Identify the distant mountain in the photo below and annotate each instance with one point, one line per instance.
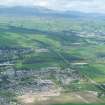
(40, 11)
(23, 11)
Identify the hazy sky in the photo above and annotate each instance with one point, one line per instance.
(79, 5)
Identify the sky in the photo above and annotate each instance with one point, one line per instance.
(97, 6)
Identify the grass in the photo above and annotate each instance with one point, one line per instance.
(58, 36)
(79, 104)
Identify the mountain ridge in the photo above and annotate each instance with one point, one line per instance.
(41, 11)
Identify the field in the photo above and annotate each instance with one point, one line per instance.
(34, 44)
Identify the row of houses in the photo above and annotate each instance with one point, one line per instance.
(67, 74)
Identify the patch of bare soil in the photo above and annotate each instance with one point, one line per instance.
(45, 98)
(31, 98)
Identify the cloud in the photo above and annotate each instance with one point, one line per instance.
(16, 2)
(77, 5)
(87, 6)
(43, 3)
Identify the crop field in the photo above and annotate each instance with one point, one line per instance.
(33, 44)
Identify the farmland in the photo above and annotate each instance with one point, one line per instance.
(59, 60)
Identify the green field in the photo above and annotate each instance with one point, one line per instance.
(65, 43)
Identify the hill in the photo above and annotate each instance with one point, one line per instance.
(41, 11)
